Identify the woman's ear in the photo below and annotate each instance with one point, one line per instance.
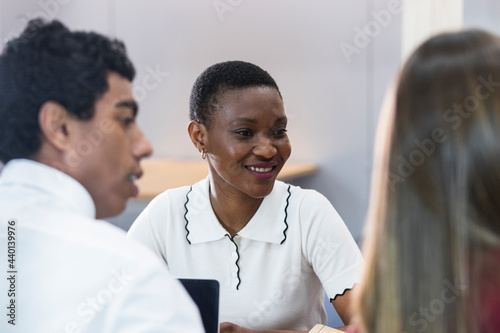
(198, 134)
(53, 120)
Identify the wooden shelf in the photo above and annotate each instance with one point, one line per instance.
(163, 174)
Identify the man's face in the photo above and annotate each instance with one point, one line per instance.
(105, 150)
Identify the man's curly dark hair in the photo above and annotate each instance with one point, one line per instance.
(219, 78)
(47, 62)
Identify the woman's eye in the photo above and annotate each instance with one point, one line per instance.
(280, 131)
(243, 132)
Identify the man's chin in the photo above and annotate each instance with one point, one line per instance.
(110, 210)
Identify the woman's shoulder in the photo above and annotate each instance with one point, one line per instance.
(307, 206)
(302, 195)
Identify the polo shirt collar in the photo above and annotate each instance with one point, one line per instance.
(269, 224)
(41, 177)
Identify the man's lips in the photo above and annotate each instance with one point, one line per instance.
(136, 175)
(132, 178)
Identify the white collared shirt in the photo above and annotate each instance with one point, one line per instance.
(72, 273)
(272, 273)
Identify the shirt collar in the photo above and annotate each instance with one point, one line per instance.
(43, 178)
(269, 224)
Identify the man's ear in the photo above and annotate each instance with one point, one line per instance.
(54, 123)
(198, 135)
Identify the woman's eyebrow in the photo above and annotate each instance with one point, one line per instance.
(243, 120)
(250, 120)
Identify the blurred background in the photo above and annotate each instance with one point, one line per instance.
(332, 60)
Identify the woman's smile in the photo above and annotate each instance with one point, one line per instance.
(247, 144)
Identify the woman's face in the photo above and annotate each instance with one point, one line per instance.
(247, 144)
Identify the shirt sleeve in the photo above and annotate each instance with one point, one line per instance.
(329, 246)
(150, 230)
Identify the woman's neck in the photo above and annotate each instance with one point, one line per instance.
(233, 211)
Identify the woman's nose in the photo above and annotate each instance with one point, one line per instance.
(265, 148)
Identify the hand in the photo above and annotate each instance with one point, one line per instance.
(233, 328)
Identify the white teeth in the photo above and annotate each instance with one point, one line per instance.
(132, 177)
(263, 170)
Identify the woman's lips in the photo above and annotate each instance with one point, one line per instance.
(263, 170)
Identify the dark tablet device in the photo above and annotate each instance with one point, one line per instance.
(205, 293)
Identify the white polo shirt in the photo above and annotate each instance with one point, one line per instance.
(272, 273)
(71, 273)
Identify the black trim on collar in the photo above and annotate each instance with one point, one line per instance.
(231, 238)
(186, 209)
(286, 215)
(238, 259)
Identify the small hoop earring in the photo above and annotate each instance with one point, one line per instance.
(203, 154)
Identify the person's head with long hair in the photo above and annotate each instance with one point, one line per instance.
(433, 235)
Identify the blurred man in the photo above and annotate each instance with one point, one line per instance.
(72, 150)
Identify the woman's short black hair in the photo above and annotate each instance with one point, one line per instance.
(219, 78)
(47, 62)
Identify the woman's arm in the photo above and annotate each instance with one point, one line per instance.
(233, 328)
(342, 305)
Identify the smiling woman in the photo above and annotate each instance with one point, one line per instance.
(274, 248)
(246, 147)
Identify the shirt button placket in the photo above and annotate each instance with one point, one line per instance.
(234, 261)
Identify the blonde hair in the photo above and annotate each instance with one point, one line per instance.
(434, 212)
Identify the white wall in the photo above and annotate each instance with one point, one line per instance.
(424, 18)
(331, 97)
(483, 14)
